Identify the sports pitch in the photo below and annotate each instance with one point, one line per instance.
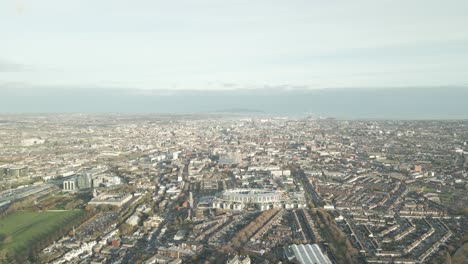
(20, 230)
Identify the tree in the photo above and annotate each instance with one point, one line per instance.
(125, 229)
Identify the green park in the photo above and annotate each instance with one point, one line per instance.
(23, 229)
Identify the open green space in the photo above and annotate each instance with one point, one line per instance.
(22, 229)
(428, 190)
(446, 198)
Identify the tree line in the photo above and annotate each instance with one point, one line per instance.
(244, 235)
(339, 245)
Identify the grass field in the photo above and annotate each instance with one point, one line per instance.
(20, 229)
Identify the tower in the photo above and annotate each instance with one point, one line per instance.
(191, 199)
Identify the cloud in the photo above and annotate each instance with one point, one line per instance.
(8, 66)
(20, 7)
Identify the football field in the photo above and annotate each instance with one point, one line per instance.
(21, 229)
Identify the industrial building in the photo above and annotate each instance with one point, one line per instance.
(111, 199)
(306, 254)
(13, 171)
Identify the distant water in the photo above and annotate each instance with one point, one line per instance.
(350, 103)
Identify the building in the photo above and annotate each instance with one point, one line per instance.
(3, 171)
(239, 260)
(264, 199)
(180, 234)
(237, 199)
(85, 181)
(133, 220)
(111, 199)
(306, 254)
(153, 222)
(70, 185)
(417, 168)
(31, 142)
(175, 252)
(9, 171)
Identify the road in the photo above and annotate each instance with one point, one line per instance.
(308, 188)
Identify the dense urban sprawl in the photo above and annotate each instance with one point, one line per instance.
(82, 188)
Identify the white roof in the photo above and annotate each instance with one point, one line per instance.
(310, 254)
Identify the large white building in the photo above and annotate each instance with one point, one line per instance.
(306, 254)
(239, 260)
(239, 199)
(259, 196)
(111, 199)
(133, 220)
(70, 185)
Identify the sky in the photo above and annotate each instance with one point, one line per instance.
(232, 44)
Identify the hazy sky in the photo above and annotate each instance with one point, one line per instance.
(213, 44)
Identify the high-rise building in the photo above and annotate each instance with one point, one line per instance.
(85, 181)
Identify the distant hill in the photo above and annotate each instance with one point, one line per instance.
(341, 103)
(239, 111)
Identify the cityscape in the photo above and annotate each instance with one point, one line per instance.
(105, 188)
(233, 132)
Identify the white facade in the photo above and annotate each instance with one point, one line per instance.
(69, 185)
(239, 199)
